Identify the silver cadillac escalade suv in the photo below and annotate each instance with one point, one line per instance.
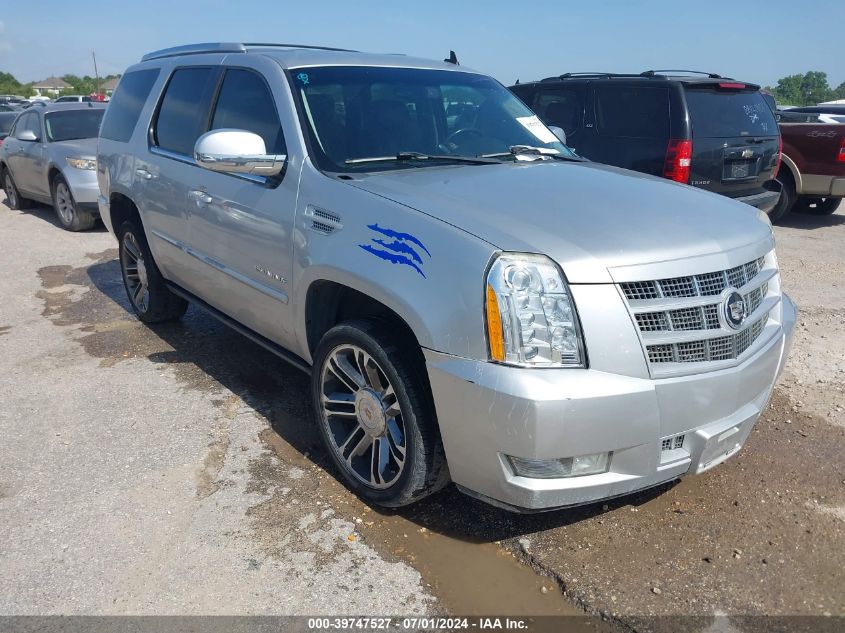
(474, 302)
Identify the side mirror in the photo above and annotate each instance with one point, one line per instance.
(236, 152)
(28, 135)
(558, 131)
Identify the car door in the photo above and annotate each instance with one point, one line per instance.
(33, 160)
(20, 152)
(161, 176)
(241, 226)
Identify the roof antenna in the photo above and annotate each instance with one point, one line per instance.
(452, 59)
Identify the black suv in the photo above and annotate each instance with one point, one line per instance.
(696, 128)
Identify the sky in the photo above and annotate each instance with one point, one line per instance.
(752, 40)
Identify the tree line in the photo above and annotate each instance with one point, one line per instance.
(807, 89)
(9, 85)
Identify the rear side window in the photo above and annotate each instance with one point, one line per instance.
(6, 120)
(632, 111)
(126, 104)
(183, 111)
(245, 103)
(721, 114)
(562, 107)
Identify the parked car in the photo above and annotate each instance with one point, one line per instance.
(4, 107)
(464, 292)
(700, 129)
(822, 109)
(73, 99)
(813, 170)
(50, 157)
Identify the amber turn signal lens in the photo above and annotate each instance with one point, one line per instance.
(495, 334)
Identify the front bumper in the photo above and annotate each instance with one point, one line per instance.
(83, 185)
(487, 411)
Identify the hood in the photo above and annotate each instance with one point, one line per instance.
(82, 147)
(586, 216)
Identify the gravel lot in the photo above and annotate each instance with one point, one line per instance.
(173, 470)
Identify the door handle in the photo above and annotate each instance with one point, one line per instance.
(143, 173)
(200, 197)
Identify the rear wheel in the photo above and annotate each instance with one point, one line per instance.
(375, 415)
(816, 206)
(13, 196)
(148, 293)
(787, 197)
(71, 217)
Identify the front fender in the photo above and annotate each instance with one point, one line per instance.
(428, 272)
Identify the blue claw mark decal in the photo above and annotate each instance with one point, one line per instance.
(400, 249)
(303, 77)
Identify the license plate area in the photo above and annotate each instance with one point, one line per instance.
(740, 169)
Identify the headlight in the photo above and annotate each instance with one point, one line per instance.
(82, 163)
(531, 317)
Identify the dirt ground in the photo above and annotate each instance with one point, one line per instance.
(151, 470)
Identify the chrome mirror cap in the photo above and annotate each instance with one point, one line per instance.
(236, 152)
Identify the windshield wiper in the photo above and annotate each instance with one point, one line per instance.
(419, 156)
(538, 153)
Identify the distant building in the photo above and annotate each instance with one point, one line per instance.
(51, 85)
(109, 86)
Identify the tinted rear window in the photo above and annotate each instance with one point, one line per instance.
(632, 111)
(126, 104)
(721, 114)
(183, 110)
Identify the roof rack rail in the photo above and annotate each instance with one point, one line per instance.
(589, 74)
(196, 49)
(308, 46)
(228, 47)
(652, 73)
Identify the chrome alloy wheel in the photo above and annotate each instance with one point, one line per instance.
(11, 192)
(363, 417)
(135, 272)
(64, 203)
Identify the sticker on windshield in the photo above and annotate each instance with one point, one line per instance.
(304, 79)
(537, 128)
(400, 249)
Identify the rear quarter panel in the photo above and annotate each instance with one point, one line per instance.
(813, 147)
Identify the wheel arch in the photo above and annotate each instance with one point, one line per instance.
(328, 303)
(787, 162)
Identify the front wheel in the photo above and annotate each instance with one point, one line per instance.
(375, 415)
(817, 206)
(150, 298)
(13, 196)
(71, 217)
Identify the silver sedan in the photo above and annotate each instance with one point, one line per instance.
(50, 157)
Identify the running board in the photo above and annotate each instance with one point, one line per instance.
(255, 337)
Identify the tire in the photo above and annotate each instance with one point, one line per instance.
(356, 425)
(71, 217)
(13, 197)
(150, 298)
(817, 206)
(787, 197)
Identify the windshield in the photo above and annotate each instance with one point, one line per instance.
(73, 124)
(356, 113)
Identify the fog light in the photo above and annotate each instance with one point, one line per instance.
(559, 468)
